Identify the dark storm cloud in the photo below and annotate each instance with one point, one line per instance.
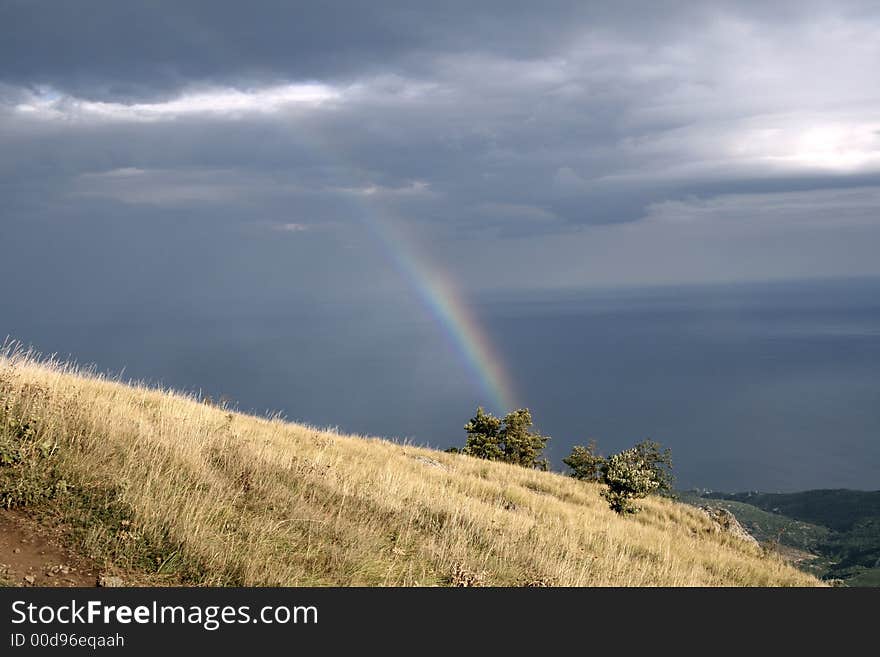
(506, 120)
(111, 49)
(108, 49)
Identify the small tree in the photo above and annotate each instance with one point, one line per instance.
(522, 446)
(585, 464)
(509, 440)
(484, 436)
(659, 460)
(628, 477)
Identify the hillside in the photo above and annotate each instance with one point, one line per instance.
(162, 488)
(840, 528)
(765, 526)
(838, 509)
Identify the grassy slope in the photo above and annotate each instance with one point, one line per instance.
(775, 531)
(764, 525)
(845, 537)
(157, 483)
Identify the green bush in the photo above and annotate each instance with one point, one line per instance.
(484, 436)
(509, 440)
(628, 476)
(585, 464)
(643, 469)
(659, 461)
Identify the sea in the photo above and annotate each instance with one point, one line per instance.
(753, 386)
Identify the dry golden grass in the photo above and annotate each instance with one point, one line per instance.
(158, 481)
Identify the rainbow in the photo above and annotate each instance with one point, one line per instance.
(448, 308)
(435, 290)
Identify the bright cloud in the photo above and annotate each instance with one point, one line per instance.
(224, 102)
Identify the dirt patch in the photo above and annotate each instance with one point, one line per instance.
(31, 556)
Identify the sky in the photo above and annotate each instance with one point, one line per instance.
(518, 145)
(182, 158)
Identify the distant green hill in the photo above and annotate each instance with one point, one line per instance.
(839, 509)
(840, 526)
(764, 525)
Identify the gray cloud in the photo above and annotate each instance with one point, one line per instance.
(102, 49)
(502, 122)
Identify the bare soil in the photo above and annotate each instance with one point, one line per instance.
(30, 555)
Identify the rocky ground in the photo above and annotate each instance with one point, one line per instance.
(31, 556)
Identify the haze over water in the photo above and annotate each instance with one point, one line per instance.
(754, 386)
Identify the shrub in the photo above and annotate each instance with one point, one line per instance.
(484, 437)
(659, 461)
(585, 464)
(520, 445)
(643, 469)
(509, 440)
(628, 477)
